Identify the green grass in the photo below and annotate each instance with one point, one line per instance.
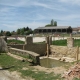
(15, 41)
(64, 42)
(41, 75)
(7, 61)
(77, 42)
(60, 42)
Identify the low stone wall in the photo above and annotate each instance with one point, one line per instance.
(30, 54)
(18, 46)
(37, 48)
(60, 51)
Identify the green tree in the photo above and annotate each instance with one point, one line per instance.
(22, 31)
(27, 28)
(55, 23)
(8, 33)
(18, 31)
(52, 22)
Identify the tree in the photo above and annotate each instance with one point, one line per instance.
(55, 23)
(52, 22)
(27, 28)
(22, 31)
(18, 31)
(1, 31)
(8, 33)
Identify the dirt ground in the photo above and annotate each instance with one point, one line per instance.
(6, 75)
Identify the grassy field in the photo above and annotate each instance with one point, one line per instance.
(17, 65)
(12, 41)
(7, 61)
(64, 42)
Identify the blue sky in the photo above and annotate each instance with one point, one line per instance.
(16, 14)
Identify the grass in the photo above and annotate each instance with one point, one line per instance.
(60, 42)
(41, 75)
(7, 61)
(64, 42)
(15, 41)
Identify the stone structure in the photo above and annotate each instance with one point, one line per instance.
(34, 56)
(30, 46)
(56, 51)
(70, 42)
(60, 51)
(4, 37)
(28, 40)
(50, 40)
(3, 45)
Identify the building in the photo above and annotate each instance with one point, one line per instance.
(53, 29)
(74, 30)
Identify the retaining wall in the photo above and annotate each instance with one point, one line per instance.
(37, 48)
(60, 51)
(30, 54)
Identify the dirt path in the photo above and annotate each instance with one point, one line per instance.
(6, 75)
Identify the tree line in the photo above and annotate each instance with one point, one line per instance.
(19, 31)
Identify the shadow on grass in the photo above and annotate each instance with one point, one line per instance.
(6, 68)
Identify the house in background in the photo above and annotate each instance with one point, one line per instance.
(76, 30)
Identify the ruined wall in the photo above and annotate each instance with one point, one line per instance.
(18, 46)
(38, 48)
(34, 56)
(3, 45)
(60, 51)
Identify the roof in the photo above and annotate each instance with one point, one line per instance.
(75, 29)
(54, 27)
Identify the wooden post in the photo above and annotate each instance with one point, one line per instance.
(47, 46)
(23, 47)
(77, 54)
(47, 50)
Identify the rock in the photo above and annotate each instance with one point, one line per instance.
(3, 45)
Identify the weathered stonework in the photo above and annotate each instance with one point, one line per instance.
(3, 45)
(70, 42)
(34, 56)
(30, 46)
(28, 40)
(60, 51)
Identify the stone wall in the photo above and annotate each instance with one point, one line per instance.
(34, 56)
(60, 51)
(3, 45)
(70, 42)
(18, 46)
(38, 48)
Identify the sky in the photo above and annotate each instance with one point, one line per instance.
(16, 14)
